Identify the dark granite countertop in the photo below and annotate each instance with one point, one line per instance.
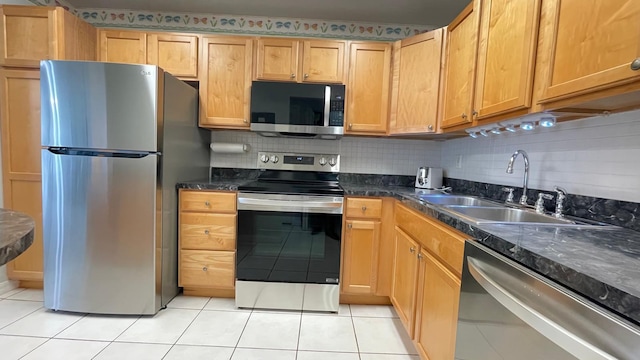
(600, 264)
(228, 184)
(16, 234)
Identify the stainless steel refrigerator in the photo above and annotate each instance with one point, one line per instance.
(115, 140)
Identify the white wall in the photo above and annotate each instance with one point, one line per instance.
(594, 157)
(358, 154)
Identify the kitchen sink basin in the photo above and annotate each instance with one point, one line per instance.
(507, 215)
(437, 199)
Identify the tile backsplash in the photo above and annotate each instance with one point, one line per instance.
(359, 155)
(597, 157)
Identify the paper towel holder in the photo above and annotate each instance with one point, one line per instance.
(229, 148)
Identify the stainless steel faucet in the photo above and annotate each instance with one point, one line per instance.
(562, 194)
(525, 185)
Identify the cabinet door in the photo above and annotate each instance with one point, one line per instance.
(360, 259)
(368, 90)
(437, 310)
(20, 123)
(212, 269)
(123, 46)
(416, 84)
(176, 54)
(506, 56)
(28, 35)
(225, 86)
(588, 45)
(323, 61)
(277, 59)
(405, 276)
(459, 72)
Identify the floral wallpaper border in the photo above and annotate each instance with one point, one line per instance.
(232, 24)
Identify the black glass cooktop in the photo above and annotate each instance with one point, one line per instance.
(295, 182)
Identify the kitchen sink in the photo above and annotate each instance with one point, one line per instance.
(437, 199)
(507, 215)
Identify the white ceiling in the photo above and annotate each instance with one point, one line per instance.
(415, 12)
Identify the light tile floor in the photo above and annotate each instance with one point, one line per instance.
(199, 328)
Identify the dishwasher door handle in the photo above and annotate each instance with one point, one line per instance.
(572, 343)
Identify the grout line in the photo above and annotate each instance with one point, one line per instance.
(241, 333)
(355, 334)
(34, 349)
(186, 328)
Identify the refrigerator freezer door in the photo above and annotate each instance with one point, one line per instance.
(95, 105)
(101, 233)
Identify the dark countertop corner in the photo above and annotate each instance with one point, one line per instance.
(16, 234)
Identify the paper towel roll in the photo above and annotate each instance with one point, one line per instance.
(229, 148)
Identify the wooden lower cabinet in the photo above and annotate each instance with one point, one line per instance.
(360, 268)
(207, 242)
(212, 269)
(436, 309)
(405, 276)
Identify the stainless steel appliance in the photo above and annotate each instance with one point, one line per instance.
(297, 110)
(509, 312)
(429, 178)
(115, 140)
(289, 234)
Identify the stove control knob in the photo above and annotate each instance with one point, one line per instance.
(322, 161)
(264, 158)
(275, 159)
(333, 161)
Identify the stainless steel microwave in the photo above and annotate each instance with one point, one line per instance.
(297, 110)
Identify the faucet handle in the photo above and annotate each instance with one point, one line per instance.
(510, 191)
(562, 194)
(540, 202)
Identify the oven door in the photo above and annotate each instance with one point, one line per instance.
(288, 246)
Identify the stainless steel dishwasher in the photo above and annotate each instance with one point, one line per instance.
(509, 312)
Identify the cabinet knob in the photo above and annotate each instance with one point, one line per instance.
(306, 76)
(204, 268)
(430, 127)
(244, 121)
(412, 250)
(419, 257)
(350, 126)
(207, 203)
(206, 232)
(364, 208)
(349, 225)
(464, 116)
(474, 113)
(293, 76)
(635, 64)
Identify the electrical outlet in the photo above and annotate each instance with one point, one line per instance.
(459, 162)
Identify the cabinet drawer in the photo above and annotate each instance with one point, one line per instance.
(213, 269)
(369, 208)
(203, 231)
(445, 243)
(207, 201)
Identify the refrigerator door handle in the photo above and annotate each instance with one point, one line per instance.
(99, 153)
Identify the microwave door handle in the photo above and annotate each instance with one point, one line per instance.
(572, 343)
(327, 104)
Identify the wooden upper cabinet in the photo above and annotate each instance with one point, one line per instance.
(323, 61)
(506, 56)
(368, 88)
(459, 72)
(416, 83)
(282, 59)
(586, 46)
(123, 46)
(225, 86)
(277, 59)
(176, 54)
(28, 35)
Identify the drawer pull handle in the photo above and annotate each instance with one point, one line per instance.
(419, 257)
(206, 232)
(635, 64)
(204, 268)
(349, 226)
(207, 203)
(412, 250)
(364, 208)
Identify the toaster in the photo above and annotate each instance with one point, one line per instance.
(429, 178)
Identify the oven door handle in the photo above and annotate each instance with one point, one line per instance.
(302, 206)
(572, 343)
